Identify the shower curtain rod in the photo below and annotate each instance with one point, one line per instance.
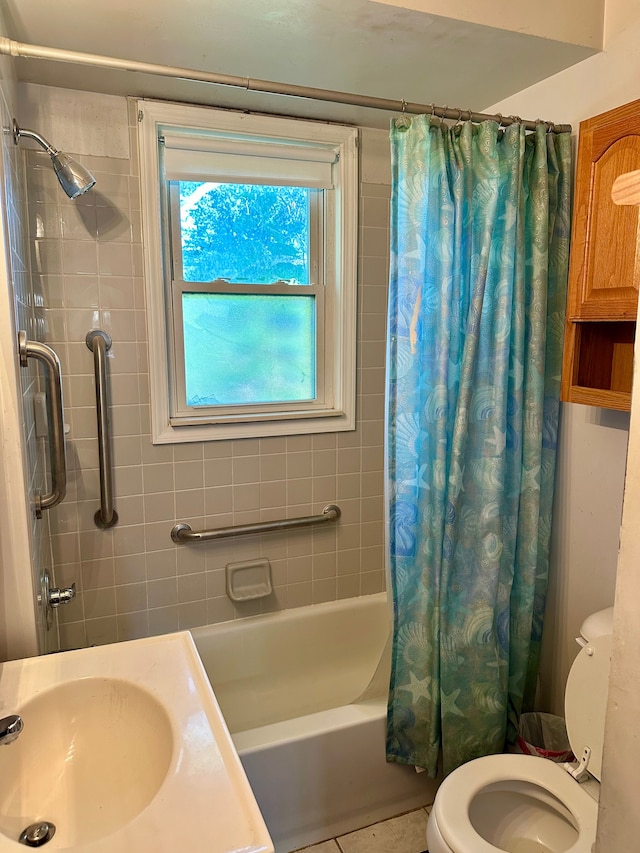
(9, 47)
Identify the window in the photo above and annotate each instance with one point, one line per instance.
(250, 231)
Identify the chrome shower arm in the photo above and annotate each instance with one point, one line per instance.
(74, 178)
(22, 132)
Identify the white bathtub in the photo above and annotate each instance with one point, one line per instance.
(304, 694)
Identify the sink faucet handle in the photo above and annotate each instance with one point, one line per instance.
(10, 728)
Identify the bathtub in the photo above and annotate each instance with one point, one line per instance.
(304, 695)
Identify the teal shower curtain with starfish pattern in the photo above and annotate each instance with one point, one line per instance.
(480, 225)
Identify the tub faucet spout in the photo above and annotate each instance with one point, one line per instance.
(10, 728)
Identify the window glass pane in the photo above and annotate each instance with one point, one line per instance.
(246, 348)
(244, 232)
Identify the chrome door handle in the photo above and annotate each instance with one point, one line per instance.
(55, 416)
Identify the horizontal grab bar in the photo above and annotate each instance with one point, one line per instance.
(183, 533)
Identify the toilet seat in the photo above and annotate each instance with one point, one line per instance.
(451, 808)
(585, 700)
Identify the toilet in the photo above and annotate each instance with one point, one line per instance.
(526, 804)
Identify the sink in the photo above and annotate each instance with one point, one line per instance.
(80, 741)
(124, 748)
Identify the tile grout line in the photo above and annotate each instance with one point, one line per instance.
(339, 847)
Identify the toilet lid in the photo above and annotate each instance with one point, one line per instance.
(585, 701)
(552, 784)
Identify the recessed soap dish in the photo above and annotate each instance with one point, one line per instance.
(248, 580)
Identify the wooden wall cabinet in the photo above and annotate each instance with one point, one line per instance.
(604, 269)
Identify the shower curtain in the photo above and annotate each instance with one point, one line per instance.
(479, 255)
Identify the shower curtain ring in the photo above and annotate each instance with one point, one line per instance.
(404, 122)
(459, 119)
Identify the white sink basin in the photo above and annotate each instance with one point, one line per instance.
(124, 748)
(81, 741)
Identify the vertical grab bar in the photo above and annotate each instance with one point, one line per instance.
(55, 417)
(99, 343)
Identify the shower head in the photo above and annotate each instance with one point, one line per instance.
(74, 178)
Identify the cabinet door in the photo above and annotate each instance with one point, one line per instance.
(605, 261)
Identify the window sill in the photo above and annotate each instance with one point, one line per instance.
(169, 433)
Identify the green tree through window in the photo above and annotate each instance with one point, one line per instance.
(244, 232)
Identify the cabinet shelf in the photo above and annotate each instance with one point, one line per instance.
(602, 368)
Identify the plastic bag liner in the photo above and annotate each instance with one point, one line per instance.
(544, 735)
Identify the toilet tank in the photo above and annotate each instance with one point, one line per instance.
(599, 624)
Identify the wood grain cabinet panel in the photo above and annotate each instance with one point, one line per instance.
(604, 269)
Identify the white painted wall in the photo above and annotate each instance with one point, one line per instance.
(599, 83)
(584, 548)
(573, 21)
(619, 817)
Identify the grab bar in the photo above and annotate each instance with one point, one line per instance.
(183, 533)
(55, 417)
(99, 343)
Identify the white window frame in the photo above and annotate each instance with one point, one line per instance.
(335, 409)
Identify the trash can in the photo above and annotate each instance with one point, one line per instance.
(544, 735)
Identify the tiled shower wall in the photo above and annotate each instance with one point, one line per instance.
(132, 580)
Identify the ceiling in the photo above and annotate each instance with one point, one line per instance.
(349, 45)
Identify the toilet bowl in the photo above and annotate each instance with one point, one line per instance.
(525, 804)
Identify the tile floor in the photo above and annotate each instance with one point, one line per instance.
(403, 834)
